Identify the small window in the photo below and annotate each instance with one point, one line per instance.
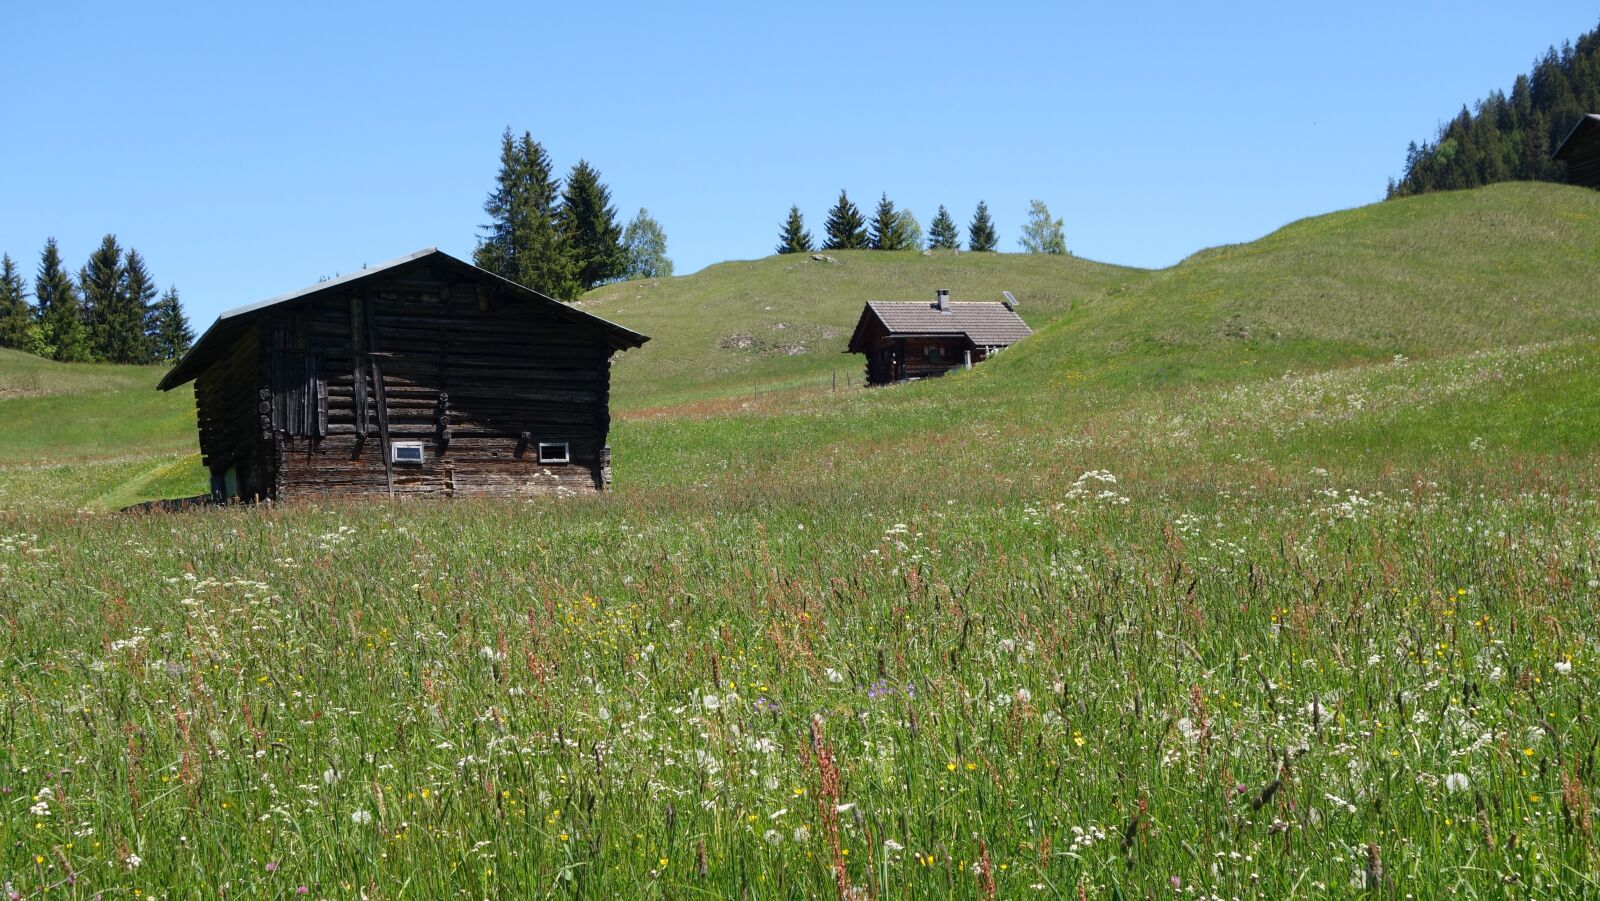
(406, 452)
(933, 354)
(554, 452)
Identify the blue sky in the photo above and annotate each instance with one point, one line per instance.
(248, 151)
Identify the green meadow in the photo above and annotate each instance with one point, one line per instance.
(1272, 574)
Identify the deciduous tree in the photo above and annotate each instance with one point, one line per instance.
(644, 244)
(1042, 234)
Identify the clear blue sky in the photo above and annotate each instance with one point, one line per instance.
(246, 152)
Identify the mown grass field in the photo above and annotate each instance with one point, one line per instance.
(1147, 606)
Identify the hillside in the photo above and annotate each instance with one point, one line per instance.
(783, 321)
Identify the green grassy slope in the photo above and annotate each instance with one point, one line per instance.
(784, 321)
(79, 433)
(1441, 273)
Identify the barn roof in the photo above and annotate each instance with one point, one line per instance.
(234, 323)
(987, 324)
(1580, 150)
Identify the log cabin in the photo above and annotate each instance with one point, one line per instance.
(421, 377)
(913, 340)
(1580, 150)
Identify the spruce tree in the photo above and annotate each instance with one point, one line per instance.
(644, 245)
(589, 230)
(981, 237)
(134, 313)
(886, 231)
(521, 241)
(16, 316)
(60, 314)
(794, 238)
(942, 232)
(100, 282)
(846, 230)
(1042, 234)
(170, 335)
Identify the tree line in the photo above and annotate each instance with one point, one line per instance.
(898, 229)
(562, 238)
(1510, 138)
(111, 313)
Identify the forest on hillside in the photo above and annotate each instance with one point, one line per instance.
(1510, 138)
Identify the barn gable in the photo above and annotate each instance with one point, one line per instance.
(1580, 150)
(421, 376)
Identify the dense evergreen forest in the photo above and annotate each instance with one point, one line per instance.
(1510, 138)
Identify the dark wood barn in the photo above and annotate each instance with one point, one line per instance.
(911, 340)
(1581, 152)
(424, 376)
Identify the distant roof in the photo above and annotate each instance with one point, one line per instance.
(234, 323)
(988, 324)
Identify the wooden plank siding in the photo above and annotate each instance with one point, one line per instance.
(310, 399)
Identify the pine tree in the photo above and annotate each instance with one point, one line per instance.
(589, 230)
(522, 242)
(846, 230)
(942, 232)
(644, 245)
(100, 282)
(170, 335)
(16, 316)
(981, 237)
(1042, 234)
(130, 330)
(794, 238)
(60, 315)
(887, 232)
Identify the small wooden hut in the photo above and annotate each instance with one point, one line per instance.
(423, 376)
(1581, 152)
(911, 340)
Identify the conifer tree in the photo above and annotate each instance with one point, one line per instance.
(170, 335)
(886, 230)
(644, 245)
(846, 230)
(521, 241)
(100, 282)
(942, 232)
(981, 237)
(794, 238)
(589, 230)
(16, 316)
(60, 315)
(1042, 234)
(129, 328)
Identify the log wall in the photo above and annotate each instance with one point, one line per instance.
(229, 401)
(479, 378)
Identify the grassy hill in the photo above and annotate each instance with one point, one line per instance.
(783, 321)
(1273, 573)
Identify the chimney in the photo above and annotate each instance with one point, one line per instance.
(943, 294)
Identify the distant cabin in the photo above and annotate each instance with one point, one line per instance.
(911, 340)
(1581, 152)
(423, 376)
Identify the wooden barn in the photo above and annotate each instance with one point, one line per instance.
(911, 340)
(424, 376)
(1581, 152)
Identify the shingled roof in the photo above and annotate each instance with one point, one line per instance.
(987, 324)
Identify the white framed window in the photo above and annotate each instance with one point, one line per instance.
(554, 452)
(406, 452)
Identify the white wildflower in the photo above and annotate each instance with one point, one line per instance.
(1564, 667)
(801, 834)
(133, 861)
(711, 702)
(892, 845)
(835, 676)
(1457, 782)
(361, 817)
(773, 837)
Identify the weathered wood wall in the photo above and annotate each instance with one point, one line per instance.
(480, 378)
(229, 400)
